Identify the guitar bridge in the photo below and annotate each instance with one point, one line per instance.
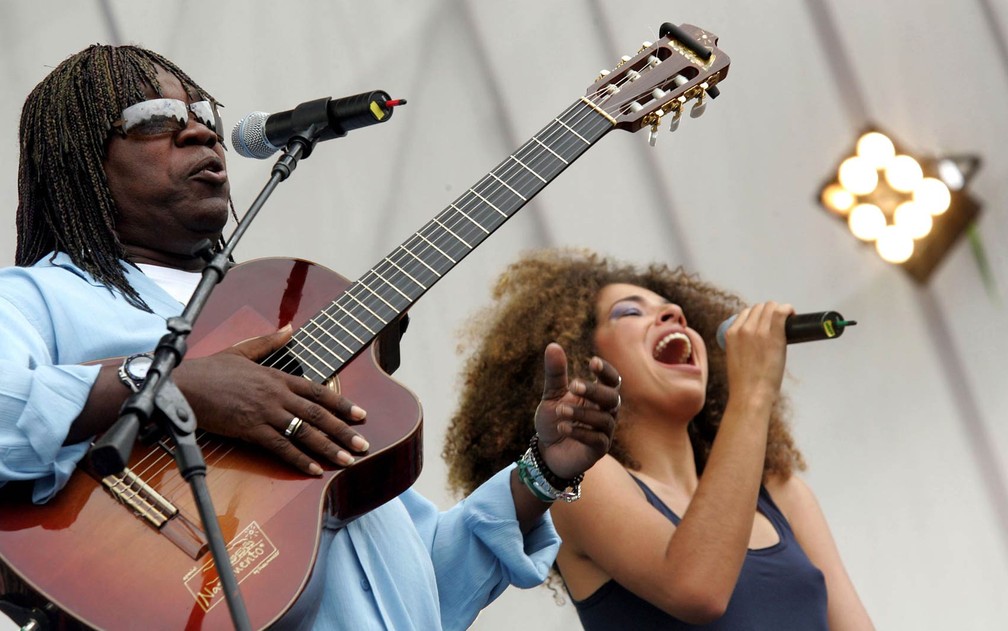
(130, 490)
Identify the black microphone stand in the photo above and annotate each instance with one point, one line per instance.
(159, 404)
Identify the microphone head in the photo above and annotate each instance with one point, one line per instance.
(723, 329)
(249, 137)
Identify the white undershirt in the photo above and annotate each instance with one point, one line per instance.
(179, 284)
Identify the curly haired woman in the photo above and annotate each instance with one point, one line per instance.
(695, 519)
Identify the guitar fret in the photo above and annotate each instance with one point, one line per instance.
(420, 259)
(305, 363)
(433, 245)
(324, 331)
(513, 157)
(304, 331)
(452, 233)
(487, 202)
(464, 228)
(363, 304)
(355, 319)
(337, 322)
(541, 161)
(406, 274)
(494, 176)
(546, 147)
(464, 214)
(385, 280)
(503, 198)
(571, 129)
(377, 295)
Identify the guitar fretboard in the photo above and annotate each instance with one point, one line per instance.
(340, 331)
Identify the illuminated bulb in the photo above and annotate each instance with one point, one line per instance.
(858, 176)
(913, 219)
(951, 174)
(837, 198)
(876, 148)
(893, 245)
(933, 195)
(866, 221)
(903, 173)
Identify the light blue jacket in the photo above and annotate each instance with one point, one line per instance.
(403, 566)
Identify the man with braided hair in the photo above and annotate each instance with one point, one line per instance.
(122, 174)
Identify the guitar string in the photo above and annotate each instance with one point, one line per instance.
(543, 138)
(388, 259)
(490, 192)
(405, 271)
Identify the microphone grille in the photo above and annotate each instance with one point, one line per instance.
(722, 330)
(249, 137)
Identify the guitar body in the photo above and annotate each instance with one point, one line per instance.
(95, 559)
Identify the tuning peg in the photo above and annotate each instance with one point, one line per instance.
(653, 134)
(700, 106)
(674, 124)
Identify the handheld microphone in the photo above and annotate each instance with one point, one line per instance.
(260, 135)
(802, 327)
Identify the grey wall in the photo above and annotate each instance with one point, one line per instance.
(901, 420)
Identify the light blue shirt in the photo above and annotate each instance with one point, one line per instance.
(403, 566)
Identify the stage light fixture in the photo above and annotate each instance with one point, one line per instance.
(912, 209)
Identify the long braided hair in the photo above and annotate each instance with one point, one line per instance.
(64, 201)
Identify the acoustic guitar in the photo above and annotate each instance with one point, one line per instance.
(130, 549)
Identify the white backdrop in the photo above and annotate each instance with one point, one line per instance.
(901, 420)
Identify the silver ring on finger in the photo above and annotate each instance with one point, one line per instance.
(293, 428)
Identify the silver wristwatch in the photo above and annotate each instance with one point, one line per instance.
(133, 370)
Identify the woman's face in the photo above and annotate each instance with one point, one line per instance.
(663, 362)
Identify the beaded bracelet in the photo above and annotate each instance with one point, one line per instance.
(554, 480)
(543, 483)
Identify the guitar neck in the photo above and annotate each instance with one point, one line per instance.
(341, 330)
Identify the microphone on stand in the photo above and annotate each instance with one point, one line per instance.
(802, 327)
(260, 135)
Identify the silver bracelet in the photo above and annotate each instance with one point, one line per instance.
(532, 476)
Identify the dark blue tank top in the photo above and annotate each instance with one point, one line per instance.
(778, 589)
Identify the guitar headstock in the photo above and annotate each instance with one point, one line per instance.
(684, 66)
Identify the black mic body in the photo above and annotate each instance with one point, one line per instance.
(802, 327)
(260, 135)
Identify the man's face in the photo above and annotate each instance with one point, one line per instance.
(171, 190)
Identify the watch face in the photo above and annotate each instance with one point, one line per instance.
(138, 366)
